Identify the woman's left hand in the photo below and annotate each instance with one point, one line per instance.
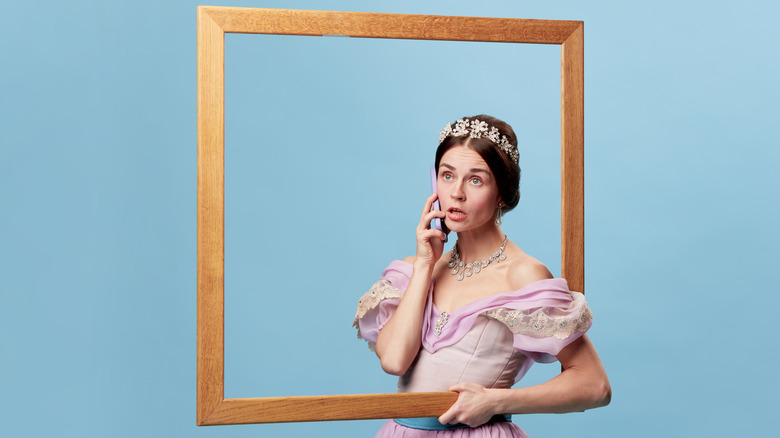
(475, 405)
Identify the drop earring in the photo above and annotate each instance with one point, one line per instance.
(498, 215)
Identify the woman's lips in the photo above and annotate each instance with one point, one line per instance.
(456, 214)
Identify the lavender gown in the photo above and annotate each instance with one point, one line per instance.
(492, 341)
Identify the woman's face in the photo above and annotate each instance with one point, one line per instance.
(467, 190)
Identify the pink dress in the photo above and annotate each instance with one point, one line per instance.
(492, 341)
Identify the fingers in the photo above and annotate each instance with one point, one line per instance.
(458, 387)
(430, 240)
(429, 234)
(425, 221)
(428, 205)
(449, 416)
(465, 410)
(429, 214)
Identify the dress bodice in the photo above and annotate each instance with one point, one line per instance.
(484, 355)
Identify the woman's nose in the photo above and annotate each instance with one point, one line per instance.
(457, 192)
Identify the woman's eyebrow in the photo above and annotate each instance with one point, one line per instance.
(472, 170)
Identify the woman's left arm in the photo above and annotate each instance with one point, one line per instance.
(582, 385)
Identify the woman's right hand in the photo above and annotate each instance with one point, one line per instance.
(398, 342)
(430, 241)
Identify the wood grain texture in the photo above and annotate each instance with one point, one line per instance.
(331, 407)
(573, 160)
(395, 26)
(213, 23)
(211, 184)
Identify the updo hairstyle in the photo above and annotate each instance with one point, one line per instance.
(505, 170)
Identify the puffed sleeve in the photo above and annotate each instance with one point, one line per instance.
(377, 305)
(542, 332)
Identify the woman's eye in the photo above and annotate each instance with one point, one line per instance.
(447, 177)
(476, 181)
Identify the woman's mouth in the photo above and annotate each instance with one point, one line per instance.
(456, 214)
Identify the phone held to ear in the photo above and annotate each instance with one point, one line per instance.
(438, 222)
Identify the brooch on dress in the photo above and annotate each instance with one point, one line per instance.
(441, 322)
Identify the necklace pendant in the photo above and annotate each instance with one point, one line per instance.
(462, 269)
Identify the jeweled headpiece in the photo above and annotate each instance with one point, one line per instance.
(479, 129)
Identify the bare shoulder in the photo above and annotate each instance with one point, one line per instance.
(410, 259)
(527, 270)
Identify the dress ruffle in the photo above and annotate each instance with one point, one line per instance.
(377, 305)
(541, 333)
(391, 429)
(544, 316)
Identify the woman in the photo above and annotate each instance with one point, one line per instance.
(475, 319)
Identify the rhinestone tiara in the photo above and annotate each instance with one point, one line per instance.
(479, 129)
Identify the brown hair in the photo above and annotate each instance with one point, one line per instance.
(505, 169)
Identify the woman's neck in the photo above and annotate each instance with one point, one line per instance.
(479, 244)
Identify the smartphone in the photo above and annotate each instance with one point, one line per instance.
(438, 222)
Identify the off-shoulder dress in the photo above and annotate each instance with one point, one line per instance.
(492, 341)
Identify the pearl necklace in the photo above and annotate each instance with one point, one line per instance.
(460, 268)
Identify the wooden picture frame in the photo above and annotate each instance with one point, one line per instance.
(213, 22)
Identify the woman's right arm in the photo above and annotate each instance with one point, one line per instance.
(399, 340)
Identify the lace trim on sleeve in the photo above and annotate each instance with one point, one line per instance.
(381, 290)
(544, 322)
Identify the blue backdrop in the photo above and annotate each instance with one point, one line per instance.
(328, 143)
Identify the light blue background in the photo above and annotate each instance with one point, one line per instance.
(98, 190)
